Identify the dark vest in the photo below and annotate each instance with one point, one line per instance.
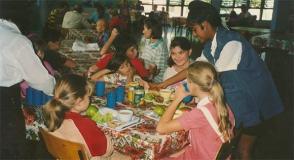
(249, 90)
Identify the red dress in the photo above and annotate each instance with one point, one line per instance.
(93, 136)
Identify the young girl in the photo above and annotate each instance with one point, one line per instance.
(120, 69)
(102, 34)
(153, 49)
(204, 139)
(180, 50)
(62, 116)
(123, 44)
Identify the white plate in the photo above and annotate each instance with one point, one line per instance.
(151, 115)
(120, 126)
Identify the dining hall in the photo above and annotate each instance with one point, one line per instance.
(146, 79)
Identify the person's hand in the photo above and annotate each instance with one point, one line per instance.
(114, 33)
(91, 70)
(181, 93)
(144, 84)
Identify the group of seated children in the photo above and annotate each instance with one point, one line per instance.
(121, 62)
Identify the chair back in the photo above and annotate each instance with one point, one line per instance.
(228, 147)
(63, 149)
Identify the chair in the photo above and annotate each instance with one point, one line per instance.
(228, 147)
(63, 149)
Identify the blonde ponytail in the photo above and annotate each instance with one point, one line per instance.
(217, 96)
(205, 76)
(66, 92)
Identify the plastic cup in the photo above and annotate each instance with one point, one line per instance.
(37, 97)
(120, 94)
(111, 99)
(187, 99)
(100, 88)
(29, 96)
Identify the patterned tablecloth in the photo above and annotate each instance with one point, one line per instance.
(84, 59)
(140, 141)
(143, 142)
(86, 35)
(273, 40)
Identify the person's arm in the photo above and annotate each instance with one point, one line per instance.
(32, 69)
(177, 78)
(99, 74)
(166, 123)
(108, 43)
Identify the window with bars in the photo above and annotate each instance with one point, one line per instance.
(263, 9)
(176, 8)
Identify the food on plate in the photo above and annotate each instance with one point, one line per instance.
(159, 110)
(158, 99)
(149, 96)
(91, 111)
(100, 118)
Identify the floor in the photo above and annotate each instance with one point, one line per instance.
(277, 142)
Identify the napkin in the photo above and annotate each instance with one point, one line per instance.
(81, 46)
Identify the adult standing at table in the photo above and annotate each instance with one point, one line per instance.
(75, 19)
(248, 85)
(17, 62)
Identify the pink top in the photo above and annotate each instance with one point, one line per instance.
(204, 142)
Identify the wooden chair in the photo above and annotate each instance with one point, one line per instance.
(227, 148)
(63, 149)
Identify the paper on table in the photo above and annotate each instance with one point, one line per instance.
(81, 46)
(135, 121)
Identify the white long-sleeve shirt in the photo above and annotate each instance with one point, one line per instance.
(19, 62)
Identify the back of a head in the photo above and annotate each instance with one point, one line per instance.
(203, 74)
(38, 43)
(78, 8)
(200, 11)
(123, 42)
(50, 35)
(66, 92)
(117, 60)
(155, 26)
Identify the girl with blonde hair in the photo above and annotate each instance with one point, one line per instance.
(63, 117)
(210, 123)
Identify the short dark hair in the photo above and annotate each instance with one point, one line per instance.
(155, 26)
(181, 42)
(117, 60)
(37, 42)
(50, 35)
(123, 42)
(200, 11)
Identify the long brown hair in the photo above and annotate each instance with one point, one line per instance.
(205, 76)
(66, 92)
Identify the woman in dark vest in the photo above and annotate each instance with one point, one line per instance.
(248, 85)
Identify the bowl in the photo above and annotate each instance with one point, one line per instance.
(125, 115)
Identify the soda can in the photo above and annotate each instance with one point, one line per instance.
(131, 93)
(139, 94)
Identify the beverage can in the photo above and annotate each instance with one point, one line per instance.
(139, 94)
(131, 93)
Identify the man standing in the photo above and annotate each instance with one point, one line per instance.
(18, 62)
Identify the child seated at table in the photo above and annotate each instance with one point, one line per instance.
(39, 46)
(102, 33)
(63, 117)
(212, 110)
(122, 43)
(118, 71)
(180, 50)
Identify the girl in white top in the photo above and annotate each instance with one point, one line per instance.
(180, 50)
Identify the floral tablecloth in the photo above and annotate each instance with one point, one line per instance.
(273, 40)
(142, 141)
(86, 35)
(84, 59)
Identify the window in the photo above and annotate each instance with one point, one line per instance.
(263, 9)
